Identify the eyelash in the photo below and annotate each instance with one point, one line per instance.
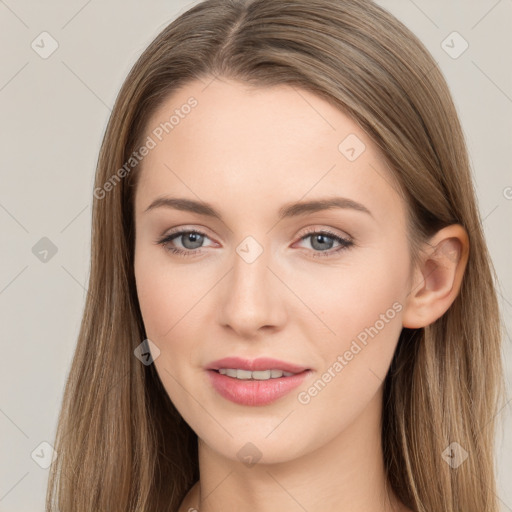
(344, 243)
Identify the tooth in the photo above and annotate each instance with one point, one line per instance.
(257, 375)
(243, 374)
(261, 375)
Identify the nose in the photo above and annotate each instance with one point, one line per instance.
(251, 298)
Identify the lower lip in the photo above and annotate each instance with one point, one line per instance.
(255, 392)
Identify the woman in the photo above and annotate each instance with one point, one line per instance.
(227, 358)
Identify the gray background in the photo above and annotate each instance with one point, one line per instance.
(53, 115)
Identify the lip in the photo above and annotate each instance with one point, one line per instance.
(254, 365)
(255, 392)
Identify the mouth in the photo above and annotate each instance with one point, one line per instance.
(255, 366)
(237, 373)
(255, 382)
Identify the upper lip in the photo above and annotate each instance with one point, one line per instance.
(261, 363)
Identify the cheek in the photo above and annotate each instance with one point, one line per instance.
(355, 364)
(173, 306)
(164, 312)
(340, 302)
(166, 289)
(153, 300)
(159, 296)
(170, 306)
(360, 309)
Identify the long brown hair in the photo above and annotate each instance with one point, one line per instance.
(121, 444)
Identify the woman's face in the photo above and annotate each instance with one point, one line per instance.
(320, 289)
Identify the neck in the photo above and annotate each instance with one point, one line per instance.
(345, 473)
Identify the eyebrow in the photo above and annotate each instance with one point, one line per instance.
(286, 211)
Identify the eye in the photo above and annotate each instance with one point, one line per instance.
(323, 240)
(191, 241)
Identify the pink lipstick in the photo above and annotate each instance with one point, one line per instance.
(255, 382)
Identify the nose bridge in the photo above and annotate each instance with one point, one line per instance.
(250, 300)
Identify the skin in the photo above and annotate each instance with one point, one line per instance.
(248, 152)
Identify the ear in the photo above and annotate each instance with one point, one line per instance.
(437, 278)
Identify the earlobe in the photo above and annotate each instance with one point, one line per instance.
(438, 277)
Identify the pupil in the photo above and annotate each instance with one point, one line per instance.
(193, 238)
(323, 239)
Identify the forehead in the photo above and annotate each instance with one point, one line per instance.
(229, 116)
(255, 145)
